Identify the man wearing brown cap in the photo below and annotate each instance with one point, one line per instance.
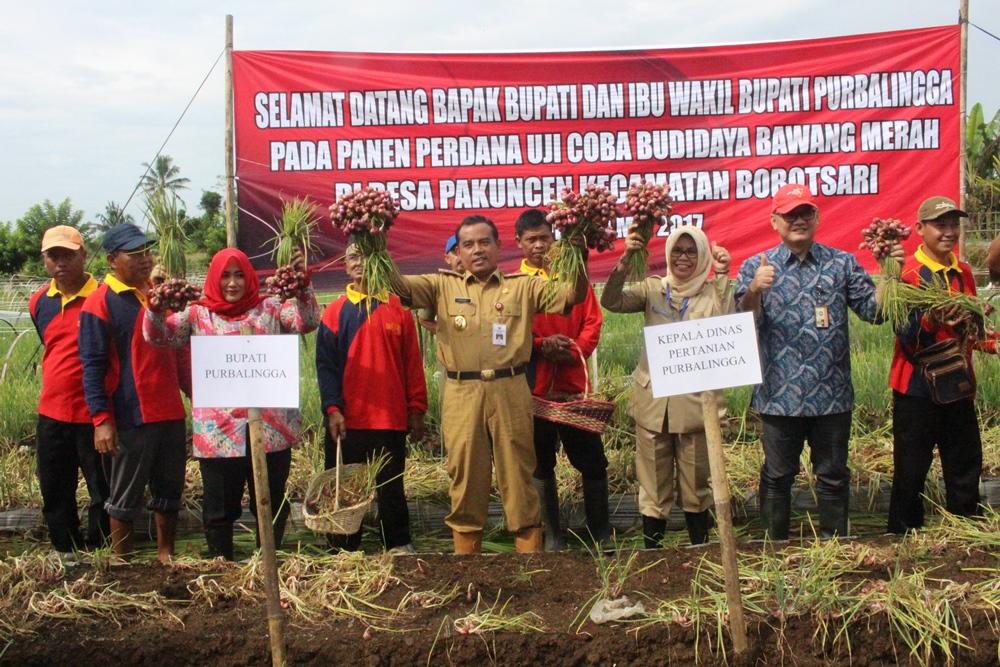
(800, 293)
(918, 422)
(65, 435)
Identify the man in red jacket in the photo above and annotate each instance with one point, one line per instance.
(373, 392)
(133, 395)
(918, 423)
(562, 344)
(65, 436)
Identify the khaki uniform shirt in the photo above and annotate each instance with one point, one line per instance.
(467, 309)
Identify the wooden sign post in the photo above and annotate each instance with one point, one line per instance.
(258, 371)
(701, 356)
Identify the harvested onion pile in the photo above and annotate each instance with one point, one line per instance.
(173, 294)
(287, 283)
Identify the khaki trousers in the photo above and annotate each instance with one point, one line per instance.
(657, 456)
(490, 423)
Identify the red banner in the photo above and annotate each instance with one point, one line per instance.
(870, 123)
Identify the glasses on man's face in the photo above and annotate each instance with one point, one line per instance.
(677, 253)
(807, 213)
(140, 252)
(352, 258)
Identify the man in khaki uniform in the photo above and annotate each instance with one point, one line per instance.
(484, 337)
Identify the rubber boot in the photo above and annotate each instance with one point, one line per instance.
(220, 542)
(548, 493)
(529, 540)
(652, 531)
(833, 511)
(121, 538)
(279, 530)
(775, 515)
(166, 532)
(468, 543)
(595, 507)
(698, 525)
(339, 543)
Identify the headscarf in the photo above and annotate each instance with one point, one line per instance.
(213, 298)
(693, 285)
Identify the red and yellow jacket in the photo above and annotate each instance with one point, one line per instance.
(921, 331)
(123, 375)
(57, 321)
(368, 363)
(583, 325)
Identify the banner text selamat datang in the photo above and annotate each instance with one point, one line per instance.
(725, 139)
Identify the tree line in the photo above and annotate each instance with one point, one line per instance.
(205, 233)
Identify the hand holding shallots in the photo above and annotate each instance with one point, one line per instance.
(172, 294)
(289, 282)
(648, 204)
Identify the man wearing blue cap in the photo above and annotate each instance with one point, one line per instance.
(133, 394)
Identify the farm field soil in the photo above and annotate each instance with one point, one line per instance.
(556, 587)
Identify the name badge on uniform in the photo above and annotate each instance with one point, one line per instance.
(500, 334)
(822, 317)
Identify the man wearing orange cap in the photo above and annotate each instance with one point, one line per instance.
(800, 292)
(65, 435)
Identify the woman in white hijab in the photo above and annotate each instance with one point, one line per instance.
(670, 432)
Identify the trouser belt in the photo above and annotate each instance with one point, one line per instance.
(488, 374)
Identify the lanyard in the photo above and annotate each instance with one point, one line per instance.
(684, 306)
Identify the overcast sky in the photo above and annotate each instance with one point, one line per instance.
(89, 91)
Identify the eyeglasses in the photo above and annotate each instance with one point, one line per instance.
(807, 213)
(352, 258)
(677, 253)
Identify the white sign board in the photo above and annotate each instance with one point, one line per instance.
(699, 355)
(245, 371)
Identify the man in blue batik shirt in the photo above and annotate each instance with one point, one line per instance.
(800, 292)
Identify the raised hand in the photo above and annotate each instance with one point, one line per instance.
(720, 259)
(763, 279)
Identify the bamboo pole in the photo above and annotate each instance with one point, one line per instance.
(724, 517)
(230, 158)
(265, 529)
(963, 21)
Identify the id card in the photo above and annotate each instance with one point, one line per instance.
(822, 317)
(500, 334)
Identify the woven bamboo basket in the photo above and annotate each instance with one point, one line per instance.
(578, 410)
(342, 520)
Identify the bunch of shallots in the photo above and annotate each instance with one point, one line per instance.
(287, 283)
(173, 294)
(882, 235)
(366, 215)
(588, 216)
(648, 204)
(365, 210)
(879, 238)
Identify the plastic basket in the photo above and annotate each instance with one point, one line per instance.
(342, 520)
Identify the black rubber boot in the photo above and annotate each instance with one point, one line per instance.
(339, 543)
(652, 531)
(775, 515)
(833, 512)
(698, 525)
(595, 507)
(220, 542)
(548, 494)
(279, 530)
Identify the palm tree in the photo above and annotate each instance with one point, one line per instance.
(163, 175)
(113, 215)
